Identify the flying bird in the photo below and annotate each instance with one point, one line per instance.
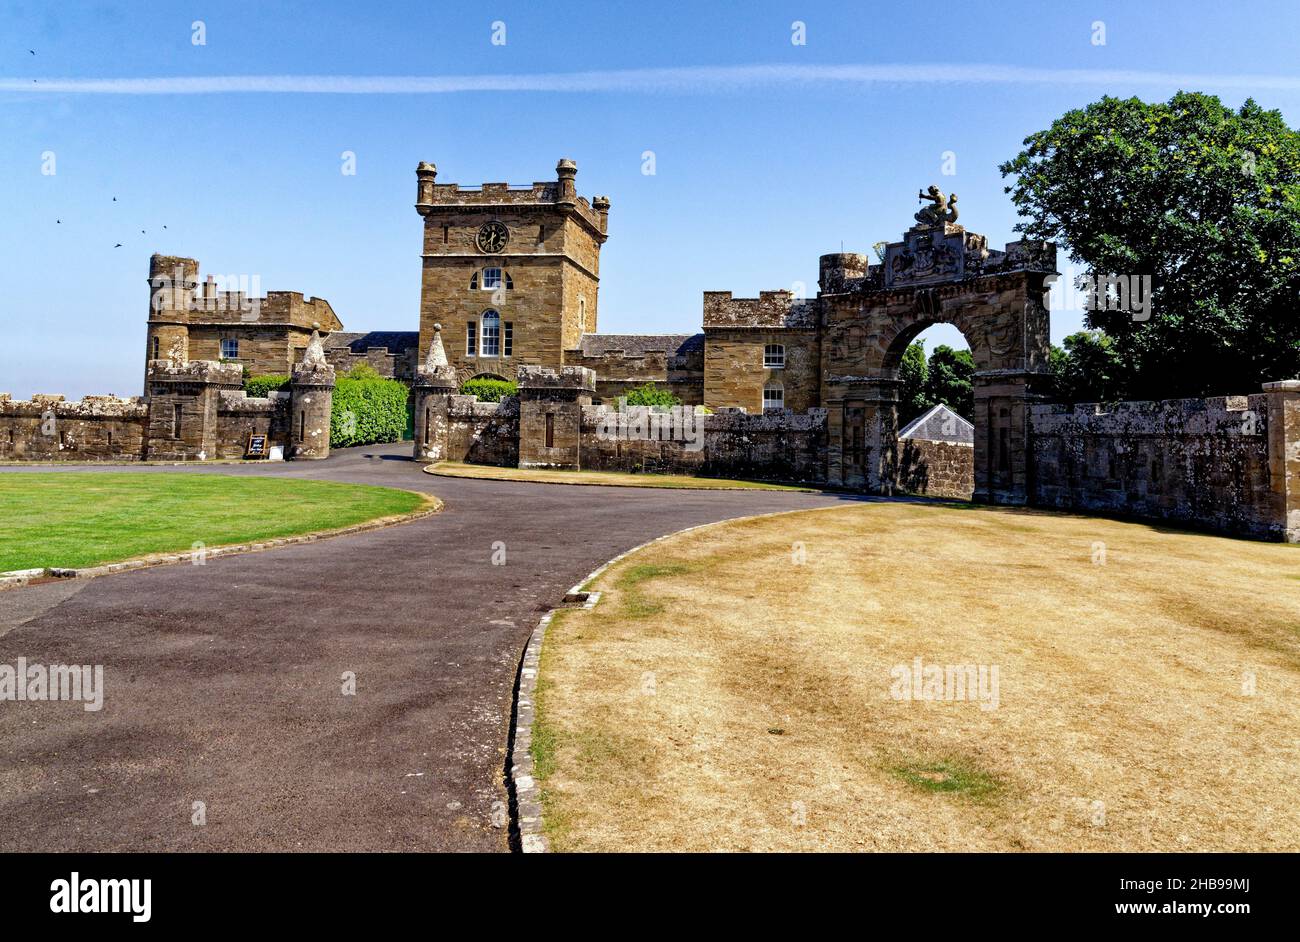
(118, 246)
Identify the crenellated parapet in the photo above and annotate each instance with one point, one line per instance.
(771, 309)
(543, 378)
(433, 197)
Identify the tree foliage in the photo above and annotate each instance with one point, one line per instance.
(1088, 369)
(1205, 200)
(651, 395)
(947, 376)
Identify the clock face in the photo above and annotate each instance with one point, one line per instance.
(492, 237)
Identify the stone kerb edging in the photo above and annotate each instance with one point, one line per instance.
(527, 793)
(18, 578)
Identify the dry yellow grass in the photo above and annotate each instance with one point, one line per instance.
(722, 697)
(460, 469)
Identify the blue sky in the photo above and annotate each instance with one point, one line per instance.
(755, 176)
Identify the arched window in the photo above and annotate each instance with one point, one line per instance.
(490, 334)
(773, 396)
(494, 279)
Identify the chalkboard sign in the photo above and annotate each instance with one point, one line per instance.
(258, 447)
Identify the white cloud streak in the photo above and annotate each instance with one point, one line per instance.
(685, 80)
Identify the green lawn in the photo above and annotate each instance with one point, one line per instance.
(75, 519)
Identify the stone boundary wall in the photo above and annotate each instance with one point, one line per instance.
(483, 432)
(781, 446)
(50, 428)
(194, 411)
(1199, 462)
(936, 469)
(239, 416)
(618, 372)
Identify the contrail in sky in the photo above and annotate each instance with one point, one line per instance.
(691, 79)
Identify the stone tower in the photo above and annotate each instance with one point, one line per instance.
(510, 273)
(172, 282)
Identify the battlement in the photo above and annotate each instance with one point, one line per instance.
(770, 309)
(176, 293)
(98, 407)
(559, 194)
(209, 372)
(566, 377)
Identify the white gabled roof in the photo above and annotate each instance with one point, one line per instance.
(926, 426)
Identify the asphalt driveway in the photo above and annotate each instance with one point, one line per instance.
(224, 682)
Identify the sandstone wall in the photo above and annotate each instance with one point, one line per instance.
(239, 416)
(1199, 462)
(483, 432)
(617, 373)
(50, 428)
(786, 446)
(936, 469)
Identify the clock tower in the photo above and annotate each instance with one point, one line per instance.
(510, 273)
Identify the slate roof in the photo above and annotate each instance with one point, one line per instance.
(397, 341)
(595, 345)
(940, 424)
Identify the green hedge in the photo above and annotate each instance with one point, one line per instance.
(258, 386)
(651, 395)
(367, 411)
(489, 390)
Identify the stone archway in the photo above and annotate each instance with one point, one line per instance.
(939, 273)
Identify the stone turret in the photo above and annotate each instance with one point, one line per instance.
(431, 397)
(312, 392)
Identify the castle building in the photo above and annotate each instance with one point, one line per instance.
(799, 389)
(189, 320)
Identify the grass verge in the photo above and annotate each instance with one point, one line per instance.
(457, 469)
(74, 520)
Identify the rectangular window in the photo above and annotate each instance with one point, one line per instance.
(302, 426)
(471, 338)
(176, 420)
(773, 397)
(550, 430)
(491, 337)
(508, 339)
(491, 279)
(154, 355)
(774, 356)
(445, 233)
(230, 349)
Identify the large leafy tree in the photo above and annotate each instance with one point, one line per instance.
(948, 376)
(913, 372)
(951, 379)
(1205, 200)
(1087, 369)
